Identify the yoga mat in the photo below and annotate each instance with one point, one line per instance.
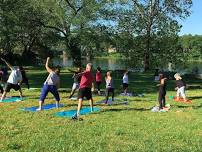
(156, 109)
(131, 95)
(12, 99)
(44, 107)
(115, 102)
(181, 100)
(70, 113)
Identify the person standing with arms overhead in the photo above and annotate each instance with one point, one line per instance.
(98, 79)
(13, 81)
(51, 84)
(86, 84)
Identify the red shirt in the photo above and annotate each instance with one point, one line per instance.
(86, 79)
(98, 77)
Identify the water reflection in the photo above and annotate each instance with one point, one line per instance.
(121, 64)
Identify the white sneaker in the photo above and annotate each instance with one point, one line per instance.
(38, 109)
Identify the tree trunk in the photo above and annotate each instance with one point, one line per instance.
(75, 52)
(147, 52)
(146, 62)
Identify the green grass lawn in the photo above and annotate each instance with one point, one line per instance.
(121, 128)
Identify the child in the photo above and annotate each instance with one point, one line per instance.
(125, 82)
(51, 84)
(180, 87)
(162, 92)
(85, 88)
(77, 80)
(13, 81)
(109, 86)
(98, 79)
(24, 77)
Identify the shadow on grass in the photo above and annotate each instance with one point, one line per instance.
(188, 106)
(126, 109)
(196, 97)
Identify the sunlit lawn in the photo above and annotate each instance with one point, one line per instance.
(130, 127)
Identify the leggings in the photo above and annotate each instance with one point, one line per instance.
(98, 85)
(162, 99)
(108, 90)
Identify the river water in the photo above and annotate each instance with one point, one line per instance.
(121, 64)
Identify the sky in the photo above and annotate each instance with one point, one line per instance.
(193, 24)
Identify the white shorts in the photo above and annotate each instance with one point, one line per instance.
(75, 86)
(181, 92)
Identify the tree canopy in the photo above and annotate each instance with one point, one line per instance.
(144, 30)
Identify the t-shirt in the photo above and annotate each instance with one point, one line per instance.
(86, 79)
(180, 83)
(125, 78)
(52, 79)
(109, 83)
(15, 77)
(98, 76)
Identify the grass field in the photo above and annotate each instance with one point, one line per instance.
(118, 128)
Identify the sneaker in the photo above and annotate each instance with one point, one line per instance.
(162, 110)
(75, 117)
(38, 109)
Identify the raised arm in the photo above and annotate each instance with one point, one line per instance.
(47, 67)
(8, 64)
(79, 74)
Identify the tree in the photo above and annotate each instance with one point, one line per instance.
(150, 19)
(70, 19)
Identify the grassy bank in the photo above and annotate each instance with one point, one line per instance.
(121, 128)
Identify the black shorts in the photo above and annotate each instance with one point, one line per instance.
(125, 86)
(85, 92)
(10, 86)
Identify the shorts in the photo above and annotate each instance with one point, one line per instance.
(10, 86)
(125, 86)
(181, 91)
(49, 88)
(85, 92)
(75, 86)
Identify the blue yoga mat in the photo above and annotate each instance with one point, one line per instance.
(12, 99)
(44, 107)
(70, 113)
